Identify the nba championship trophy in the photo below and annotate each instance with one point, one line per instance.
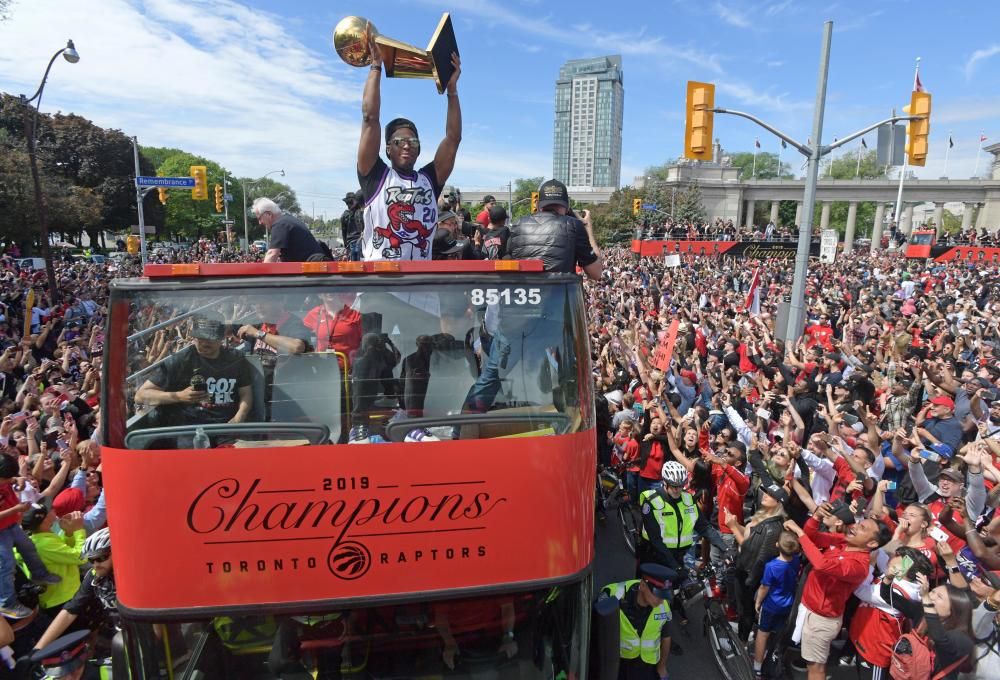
(350, 40)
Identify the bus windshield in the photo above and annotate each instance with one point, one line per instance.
(538, 634)
(248, 363)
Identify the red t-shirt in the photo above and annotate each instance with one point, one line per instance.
(483, 218)
(8, 499)
(835, 574)
(731, 486)
(340, 332)
(820, 334)
(654, 463)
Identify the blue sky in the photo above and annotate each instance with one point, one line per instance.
(256, 85)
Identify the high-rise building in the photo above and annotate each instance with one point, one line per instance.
(587, 141)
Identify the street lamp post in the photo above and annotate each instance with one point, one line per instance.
(246, 226)
(30, 121)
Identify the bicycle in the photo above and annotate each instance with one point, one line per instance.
(611, 494)
(731, 656)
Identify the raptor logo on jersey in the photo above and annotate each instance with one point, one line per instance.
(404, 227)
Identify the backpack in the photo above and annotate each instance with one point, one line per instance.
(912, 659)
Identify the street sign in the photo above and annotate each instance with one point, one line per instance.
(168, 182)
(228, 197)
(828, 246)
(229, 223)
(649, 206)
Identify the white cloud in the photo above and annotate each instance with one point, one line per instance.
(977, 57)
(772, 102)
(731, 16)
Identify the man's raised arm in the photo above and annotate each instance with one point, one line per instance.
(371, 103)
(444, 159)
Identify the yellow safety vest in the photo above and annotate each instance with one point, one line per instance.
(674, 534)
(632, 644)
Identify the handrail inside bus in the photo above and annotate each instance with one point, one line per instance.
(180, 317)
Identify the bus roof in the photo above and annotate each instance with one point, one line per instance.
(159, 271)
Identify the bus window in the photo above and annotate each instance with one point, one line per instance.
(259, 365)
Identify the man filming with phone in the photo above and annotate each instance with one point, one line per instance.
(555, 235)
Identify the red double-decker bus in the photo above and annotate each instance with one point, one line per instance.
(251, 540)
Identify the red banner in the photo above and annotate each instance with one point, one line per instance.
(665, 350)
(233, 526)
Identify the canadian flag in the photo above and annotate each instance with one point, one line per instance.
(752, 303)
(982, 138)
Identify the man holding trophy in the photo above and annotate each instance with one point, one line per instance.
(400, 213)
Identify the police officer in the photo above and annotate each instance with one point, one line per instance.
(671, 521)
(66, 658)
(555, 236)
(643, 620)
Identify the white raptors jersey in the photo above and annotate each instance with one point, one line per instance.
(400, 213)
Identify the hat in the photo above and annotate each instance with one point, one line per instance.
(446, 215)
(942, 449)
(614, 397)
(348, 197)
(776, 492)
(553, 192)
(690, 375)
(397, 123)
(498, 214)
(658, 578)
(489, 199)
(69, 500)
(65, 655)
(446, 244)
(943, 401)
(904, 383)
(205, 328)
(33, 516)
(952, 474)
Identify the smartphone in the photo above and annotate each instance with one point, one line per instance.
(763, 413)
(891, 486)
(32, 421)
(61, 444)
(20, 416)
(904, 566)
(937, 534)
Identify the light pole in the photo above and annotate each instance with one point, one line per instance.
(30, 121)
(246, 226)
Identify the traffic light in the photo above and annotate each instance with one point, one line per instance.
(219, 205)
(163, 195)
(132, 244)
(698, 122)
(534, 202)
(636, 206)
(918, 130)
(200, 191)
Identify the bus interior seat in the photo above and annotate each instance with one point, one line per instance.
(448, 385)
(308, 387)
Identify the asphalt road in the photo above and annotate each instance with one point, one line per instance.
(613, 562)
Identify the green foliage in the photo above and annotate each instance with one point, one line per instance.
(688, 205)
(952, 222)
(767, 166)
(845, 166)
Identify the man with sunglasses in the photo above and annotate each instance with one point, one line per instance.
(400, 213)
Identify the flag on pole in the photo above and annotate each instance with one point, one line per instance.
(982, 138)
(783, 145)
(863, 143)
(917, 85)
(756, 143)
(752, 302)
(951, 142)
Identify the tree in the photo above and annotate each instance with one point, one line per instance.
(689, 207)
(845, 166)
(767, 166)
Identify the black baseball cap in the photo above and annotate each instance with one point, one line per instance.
(488, 199)
(207, 328)
(553, 192)
(397, 123)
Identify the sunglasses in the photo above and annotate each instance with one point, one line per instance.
(97, 559)
(404, 141)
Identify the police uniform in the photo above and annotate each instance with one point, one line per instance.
(66, 656)
(641, 628)
(675, 522)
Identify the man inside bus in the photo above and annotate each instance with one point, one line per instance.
(203, 383)
(279, 331)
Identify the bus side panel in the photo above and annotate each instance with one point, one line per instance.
(237, 526)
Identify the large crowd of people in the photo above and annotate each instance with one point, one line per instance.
(845, 483)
